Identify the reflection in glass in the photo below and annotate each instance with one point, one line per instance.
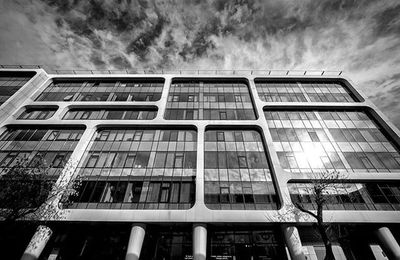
(139, 169)
(236, 171)
(314, 141)
(300, 91)
(209, 100)
(349, 196)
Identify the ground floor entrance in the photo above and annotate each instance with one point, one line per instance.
(112, 241)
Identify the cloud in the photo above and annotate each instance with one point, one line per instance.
(361, 37)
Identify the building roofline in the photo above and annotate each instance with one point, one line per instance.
(265, 72)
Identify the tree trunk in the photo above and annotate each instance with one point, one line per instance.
(328, 245)
(321, 227)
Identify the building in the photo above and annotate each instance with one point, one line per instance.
(204, 164)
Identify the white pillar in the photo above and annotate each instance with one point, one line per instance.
(388, 243)
(293, 243)
(37, 243)
(199, 241)
(135, 242)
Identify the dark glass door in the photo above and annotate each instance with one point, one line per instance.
(244, 252)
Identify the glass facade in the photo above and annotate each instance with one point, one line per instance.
(236, 171)
(167, 244)
(147, 170)
(103, 90)
(11, 82)
(245, 245)
(109, 242)
(111, 114)
(209, 100)
(37, 113)
(342, 140)
(349, 196)
(54, 145)
(86, 242)
(303, 91)
(139, 169)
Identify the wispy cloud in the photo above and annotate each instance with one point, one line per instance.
(361, 37)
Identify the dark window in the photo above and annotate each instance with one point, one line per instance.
(164, 195)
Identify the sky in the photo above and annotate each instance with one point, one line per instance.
(359, 37)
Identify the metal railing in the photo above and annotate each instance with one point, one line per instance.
(21, 67)
(182, 71)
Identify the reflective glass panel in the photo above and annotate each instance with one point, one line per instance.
(139, 169)
(237, 174)
(206, 99)
(303, 91)
(341, 140)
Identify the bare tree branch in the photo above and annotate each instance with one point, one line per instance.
(317, 192)
(302, 209)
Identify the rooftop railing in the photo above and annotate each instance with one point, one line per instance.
(182, 72)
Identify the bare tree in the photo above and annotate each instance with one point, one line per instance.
(28, 191)
(321, 186)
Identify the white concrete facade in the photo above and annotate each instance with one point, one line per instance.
(199, 213)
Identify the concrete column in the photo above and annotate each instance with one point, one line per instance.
(135, 242)
(388, 243)
(37, 243)
(199, 242)
(293, 243)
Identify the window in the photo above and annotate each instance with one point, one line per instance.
(153, 192)
(85, 115)
(189, 114)
(35, 114)
(130, 159)
(35, 146)
(44, 114)
(236, 171)
(349, 196)
(134, 191)
(213, 101)
(115, 114)
(8, 159)
(141, 160)
(53, 135)
(222, 115)
(104, 135)
(99, 90)
(59, 160)
(68, 97)
(164, 195)
(340, 140)
(137, 136)
(92, 161)
(224, 195)
(132, 163)
(314, 136)
(242, 162)
(186, 192)
(178, 161)
(63, 135)
(291, 91)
